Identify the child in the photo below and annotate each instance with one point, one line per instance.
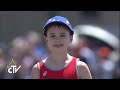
(59, 64)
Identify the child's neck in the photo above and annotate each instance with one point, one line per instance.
(58, 62)
(59, 57)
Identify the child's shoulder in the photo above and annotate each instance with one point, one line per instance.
(36, 66)
(83, 70)
(79, 61)
(35, 71)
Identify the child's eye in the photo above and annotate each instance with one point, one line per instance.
(62, 35)
(52, 36)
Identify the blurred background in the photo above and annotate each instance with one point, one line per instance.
(96, 41)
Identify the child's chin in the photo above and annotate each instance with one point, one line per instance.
(58, 50)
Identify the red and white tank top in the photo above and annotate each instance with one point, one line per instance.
(69, 72)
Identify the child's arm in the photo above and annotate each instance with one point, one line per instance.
(83, 70)
(35, 72)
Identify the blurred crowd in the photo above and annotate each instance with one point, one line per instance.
(26, 50)
(102, 60)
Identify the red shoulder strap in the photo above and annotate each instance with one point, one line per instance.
(40, 64)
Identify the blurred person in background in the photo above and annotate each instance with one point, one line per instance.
(105, 66)
(116, 56)
(86, 54)
(37, 49)
(3, 59)
(19, 51)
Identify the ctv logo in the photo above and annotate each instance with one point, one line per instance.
(12, 67)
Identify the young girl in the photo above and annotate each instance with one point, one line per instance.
(59, 64)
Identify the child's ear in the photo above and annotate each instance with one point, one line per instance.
(45, 38)
(71, 38)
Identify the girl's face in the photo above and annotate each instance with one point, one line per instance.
(58, 39)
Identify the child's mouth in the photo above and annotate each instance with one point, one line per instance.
(58, 45)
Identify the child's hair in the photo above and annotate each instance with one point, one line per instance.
(58, 25)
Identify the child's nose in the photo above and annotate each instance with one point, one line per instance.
(58, 39)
